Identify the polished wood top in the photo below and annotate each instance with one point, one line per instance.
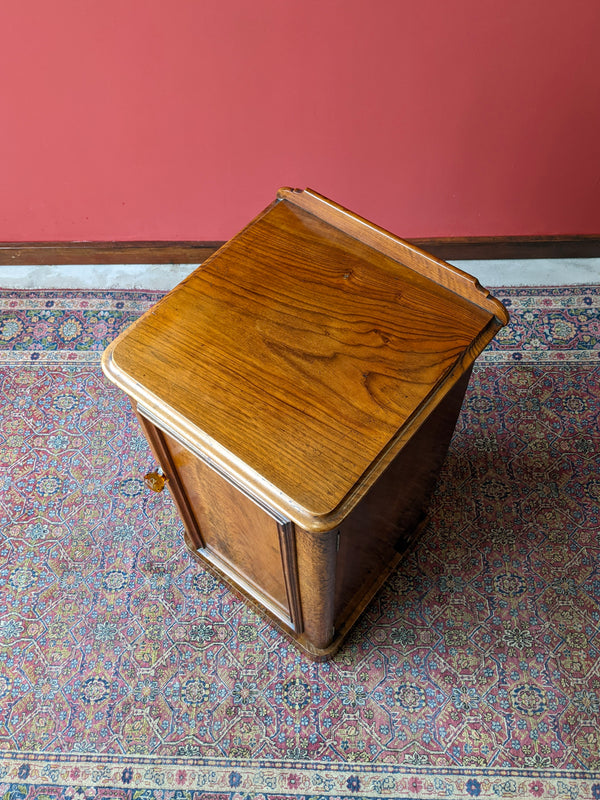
(301, 356)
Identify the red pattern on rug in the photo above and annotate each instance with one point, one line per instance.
(480, 653)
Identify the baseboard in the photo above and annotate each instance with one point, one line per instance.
(449, 249)
(504, 248)
(59, 253)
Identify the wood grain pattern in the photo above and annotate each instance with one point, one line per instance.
(382, 527)
(236, 533)
(316, 558)
(298, 355)
(450, 277)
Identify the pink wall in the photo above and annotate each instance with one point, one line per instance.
(147, 119)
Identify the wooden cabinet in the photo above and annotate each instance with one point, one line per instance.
(299, 391)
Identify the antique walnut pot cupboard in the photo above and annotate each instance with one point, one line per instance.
(299, 391)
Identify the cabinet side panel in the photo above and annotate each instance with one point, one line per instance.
(386, 522)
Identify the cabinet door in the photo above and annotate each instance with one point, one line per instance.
(249, 545)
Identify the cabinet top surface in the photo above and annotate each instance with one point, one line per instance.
(300, 352)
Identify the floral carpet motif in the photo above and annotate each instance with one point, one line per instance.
(126, 671)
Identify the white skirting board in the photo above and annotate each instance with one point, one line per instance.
(527, 272)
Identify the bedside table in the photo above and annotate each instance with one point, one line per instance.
(299, 391)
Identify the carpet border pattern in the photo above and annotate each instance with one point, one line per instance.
(230, 778)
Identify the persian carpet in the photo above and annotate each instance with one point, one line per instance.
(126, 671)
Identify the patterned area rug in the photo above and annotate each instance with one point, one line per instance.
(128, 672)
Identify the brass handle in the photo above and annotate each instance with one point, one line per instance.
(155, 481)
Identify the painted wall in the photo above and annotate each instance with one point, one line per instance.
(146, 119)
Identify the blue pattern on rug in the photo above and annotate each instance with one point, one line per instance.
(127, 671)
